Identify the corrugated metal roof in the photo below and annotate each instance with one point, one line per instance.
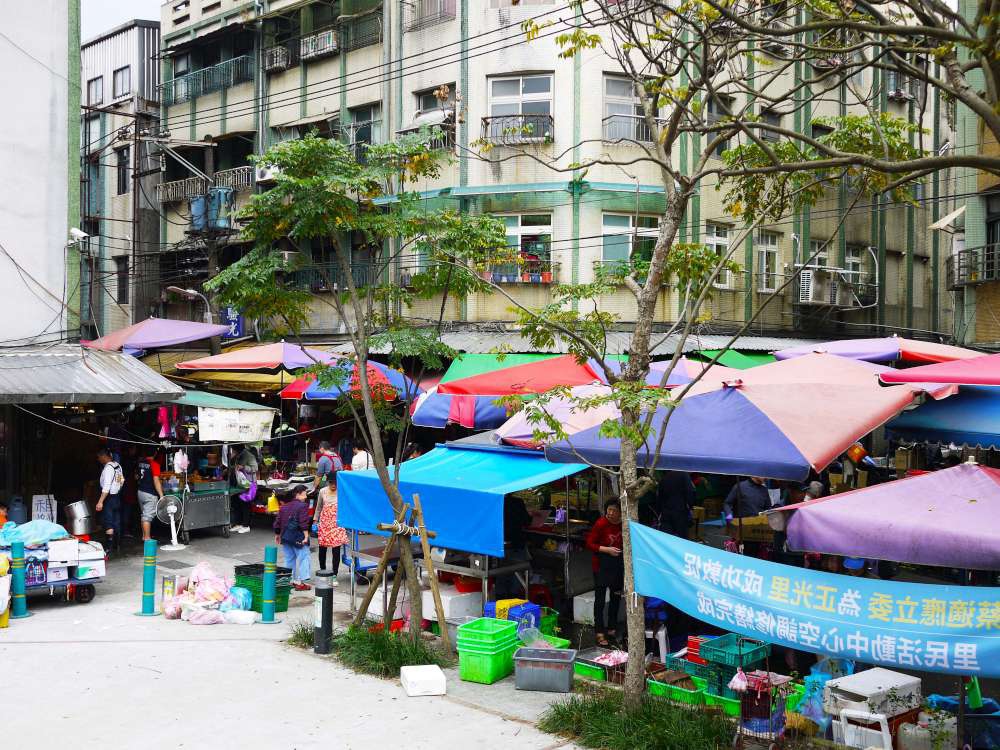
(484, 342)
(68, 373)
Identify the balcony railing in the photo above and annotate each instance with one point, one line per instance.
(528, 272)
(424, 13)
(628, 128)
(204, 81)
(516, 129)
(329, 277)
(239, 178)
(973, 265)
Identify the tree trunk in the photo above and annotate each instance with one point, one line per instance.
(635, 620)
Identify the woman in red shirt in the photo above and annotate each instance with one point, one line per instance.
(605, 541)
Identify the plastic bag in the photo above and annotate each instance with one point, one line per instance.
(172, 609)
(273, 506)
(834, 666)
(206, 617)
(240, 617)
(739, 682)
(242, 598)
(811, 705)
(533, 638)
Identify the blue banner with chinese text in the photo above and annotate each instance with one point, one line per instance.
(952, 629)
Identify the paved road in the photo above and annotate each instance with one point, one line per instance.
(97, 676)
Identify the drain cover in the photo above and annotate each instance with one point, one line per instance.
(173, 564)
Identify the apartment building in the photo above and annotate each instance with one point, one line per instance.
(238, 77)
(119, 84)
(39, 55)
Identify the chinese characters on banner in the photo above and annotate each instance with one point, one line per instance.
(235, 425)
(951, 629)
(232, 318)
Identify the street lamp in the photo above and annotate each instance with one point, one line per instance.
(193, 294)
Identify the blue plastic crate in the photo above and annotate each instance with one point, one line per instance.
(526, 616)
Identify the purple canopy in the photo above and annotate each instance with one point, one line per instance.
(156, 332)
(888, 349)
(946, 518)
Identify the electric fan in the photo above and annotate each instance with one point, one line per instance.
(170, 510)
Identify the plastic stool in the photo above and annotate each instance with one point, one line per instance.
(660, 634)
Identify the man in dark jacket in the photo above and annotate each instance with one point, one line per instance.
(747, 498)
(675, 497)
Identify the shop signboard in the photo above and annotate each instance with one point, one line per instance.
(231, 317)
(234, 425)
(936, 628)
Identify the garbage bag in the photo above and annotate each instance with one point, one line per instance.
(240, 617)
(172, 609)
(32, 533)
(242, 597)
(206, 617)
(208, 585)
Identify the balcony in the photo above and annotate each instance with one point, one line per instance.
(618, 128)
(329, 277)
(205, 81)
(512, 130)
(533, 272)
(239, 178)
(424, 13)
(974, 265)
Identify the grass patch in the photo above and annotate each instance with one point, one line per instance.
(597, 719)
(302, 634)
(383, 654)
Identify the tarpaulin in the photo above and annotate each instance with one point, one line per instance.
(887, 349)
(950, 629)
(982, 370)
(972, 417)
(461, 491)
(156, 332)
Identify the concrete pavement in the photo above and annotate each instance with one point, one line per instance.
(95, 675)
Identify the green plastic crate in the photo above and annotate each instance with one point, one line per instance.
(486, 668)
(727, 649)
(486, 631)
(280, 600)
(796, 694)
(590, 671)
(694, 697)
(554, 641)
(549, 624)
(729, 706)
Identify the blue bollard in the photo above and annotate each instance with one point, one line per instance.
(148, 579)
(269, 588)
(19, 602)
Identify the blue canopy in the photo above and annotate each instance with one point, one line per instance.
(461, 491)
(971, 417)
(745, 441)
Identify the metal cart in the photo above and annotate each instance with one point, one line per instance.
(82, 592)
(762, 707)
(204, 509)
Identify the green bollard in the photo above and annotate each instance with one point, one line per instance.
(148, 579)
(269, 588)
(19, 603)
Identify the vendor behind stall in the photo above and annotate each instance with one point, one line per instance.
(328, 463)
(515, 544)
(747, 498)
(605, 541)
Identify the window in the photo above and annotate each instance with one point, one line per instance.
(993, 221)
(818, 253)
(121, 82)
(365, 128)
(122, 169)
(532, 235)
(520, 108)
(121, 279)
(627, 237)
(437, 114)
(428, 100)
(423, 13)
(819, 130)
(716, 108)
(211, 7)
(855, 262)
(767, 261)
(95, 91)
(623, 116)
(717, 240)
(770, 117)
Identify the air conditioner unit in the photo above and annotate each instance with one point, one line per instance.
(775, 48)
(815, 287)
(319, 45)
(900, 95)
(277, 58)
(827, 63)
(266, 174)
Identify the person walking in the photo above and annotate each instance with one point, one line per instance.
(109, 504)
(328, 463)
(605, 541)
(331, 536)
(291, 531)
(150, 490)
(362, 459)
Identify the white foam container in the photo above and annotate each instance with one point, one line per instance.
(426, 679)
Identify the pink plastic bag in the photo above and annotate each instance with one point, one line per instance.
(206, 617)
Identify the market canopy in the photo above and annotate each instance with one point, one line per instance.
(206, 400)
(228, 419)
(887, 349)
(980, 370)
(384, 382)
(267, 357)
(435, 409)
(520, 429)
(780, 431)
(533, 377)
(738, 360)
(153, 333)
(461, 491)
(467, 365)
(970, 418)
(946, 518)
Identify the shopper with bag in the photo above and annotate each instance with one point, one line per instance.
(109, 504)
(331, 536)
(291, 531)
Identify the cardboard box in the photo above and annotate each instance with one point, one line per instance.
(88, 569)
(64, 551)
(57, 573)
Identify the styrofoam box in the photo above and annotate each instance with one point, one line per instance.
(869, 691)
(57, 573)
(91, 551)
(378, 603)
(455, 604)
(64, 551)
(426, 679)
(88, 569)
(583, 609)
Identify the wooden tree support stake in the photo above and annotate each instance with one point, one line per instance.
(429, 564)
(380, 569)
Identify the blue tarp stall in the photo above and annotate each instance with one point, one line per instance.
(971, 417)
(461, 491)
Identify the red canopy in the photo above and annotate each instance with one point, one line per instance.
(295, 390)
(534, 377)
(983, 370)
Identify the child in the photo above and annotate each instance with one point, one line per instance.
(331, 536)
(605, 541)
(291, 531)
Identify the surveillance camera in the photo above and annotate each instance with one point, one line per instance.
(78, 234)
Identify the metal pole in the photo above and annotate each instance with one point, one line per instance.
(148, 579)
(323, 616)
(270, 585)
(19, 603)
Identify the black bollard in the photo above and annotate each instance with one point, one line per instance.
(323, 615)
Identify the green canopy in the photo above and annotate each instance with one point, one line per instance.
(738, 360)
(215, 401)
(476, 364)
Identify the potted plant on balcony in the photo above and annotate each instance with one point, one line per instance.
(525, 276)
(546, 277)
(487, 275)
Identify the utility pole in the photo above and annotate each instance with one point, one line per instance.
(212, 249)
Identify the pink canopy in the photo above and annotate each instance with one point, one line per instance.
(982, 370)
(946, 518)
(888, 349)
(266, 357)
(153, 333)
(519, 430)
